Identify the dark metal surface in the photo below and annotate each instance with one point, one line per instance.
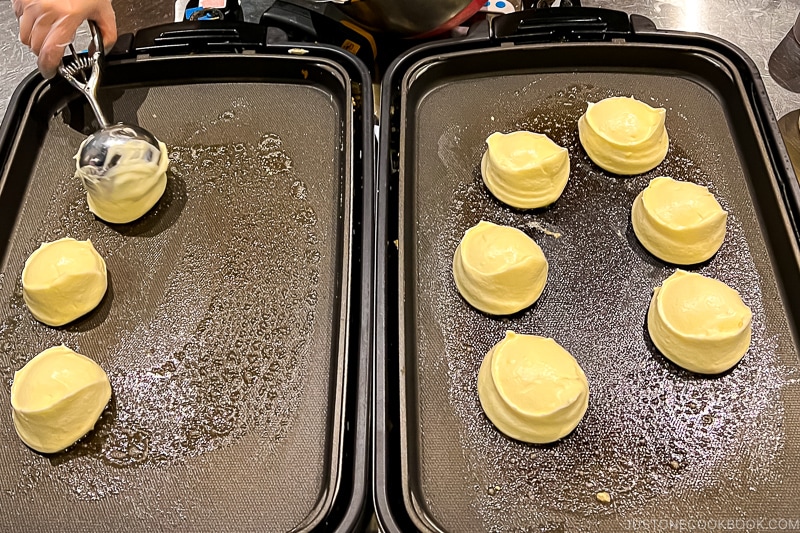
(663, 442)
(784, 62)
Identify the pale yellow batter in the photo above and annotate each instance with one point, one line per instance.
(623, 135)
(130, 188)
(699, 323)
(678, 222)
(63, 280)
(498, 269)
(57, 398)
(525, 170)
(532, 389)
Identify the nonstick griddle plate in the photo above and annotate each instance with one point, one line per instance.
(662, 442)
(226, 330)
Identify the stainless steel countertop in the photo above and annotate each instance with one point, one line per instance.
(756, 26)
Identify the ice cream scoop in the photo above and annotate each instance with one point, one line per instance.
(100, 151)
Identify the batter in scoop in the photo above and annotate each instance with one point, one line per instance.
(129, 188)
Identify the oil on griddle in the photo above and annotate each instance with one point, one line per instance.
(217, 343)
(655, 436)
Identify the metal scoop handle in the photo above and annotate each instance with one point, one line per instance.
(88, 65)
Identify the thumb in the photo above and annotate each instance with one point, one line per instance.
(106, 21)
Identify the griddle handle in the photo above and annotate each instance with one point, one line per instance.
(561, 23)
(199, 36)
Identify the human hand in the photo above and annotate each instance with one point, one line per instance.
(49, 26)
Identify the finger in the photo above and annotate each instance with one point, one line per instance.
(18, 6)
(43, 26)
(25, 26)
(47, 67)
(107, 24)
(53, 46)
(50, 57)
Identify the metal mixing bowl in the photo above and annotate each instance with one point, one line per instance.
(411, 17)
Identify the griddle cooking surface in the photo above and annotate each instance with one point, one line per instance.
(220, 330)
(663, 442)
